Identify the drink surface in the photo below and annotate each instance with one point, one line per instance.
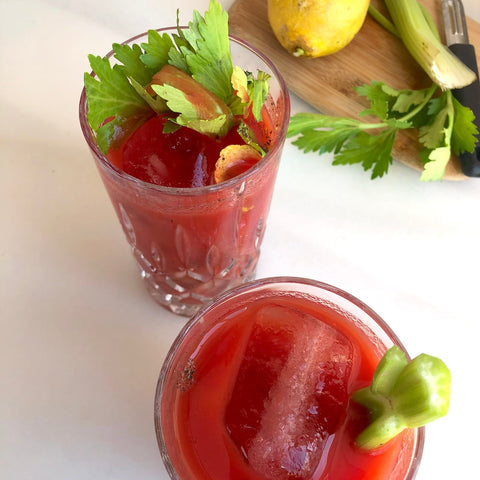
(265, 395)
(184, 158)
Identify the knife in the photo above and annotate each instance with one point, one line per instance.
(456, 35)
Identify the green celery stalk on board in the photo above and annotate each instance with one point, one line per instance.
(443, 124)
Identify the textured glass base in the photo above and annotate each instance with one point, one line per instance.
(185, 302)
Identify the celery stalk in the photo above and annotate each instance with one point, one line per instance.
(384, 22)
(388, 370)
(415, 29)
(403, 395)
(422, 391)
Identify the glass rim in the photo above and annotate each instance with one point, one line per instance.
(245, 288)
(190, 191)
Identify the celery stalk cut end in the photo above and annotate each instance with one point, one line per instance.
(416, 29)
(403, 395)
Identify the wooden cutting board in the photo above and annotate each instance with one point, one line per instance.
(327, 83)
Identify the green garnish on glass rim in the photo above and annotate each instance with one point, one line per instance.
(444, 125)
(119, 99)
(403, 394)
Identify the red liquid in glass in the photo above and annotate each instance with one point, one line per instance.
(191, 243)
(266, 396)
(183, 158)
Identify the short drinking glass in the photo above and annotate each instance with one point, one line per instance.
(257, 386)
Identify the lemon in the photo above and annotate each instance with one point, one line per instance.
(315, 28)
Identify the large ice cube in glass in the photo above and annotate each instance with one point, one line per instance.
(290, 394)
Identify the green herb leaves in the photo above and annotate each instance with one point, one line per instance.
(125, 94)
(444, 125)
(197, 106)
(111, 99)
(403, 395)
(250, 91)
(208, 51)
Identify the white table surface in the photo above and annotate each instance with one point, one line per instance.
(82, 343)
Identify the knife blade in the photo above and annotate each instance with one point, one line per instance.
(456, 35)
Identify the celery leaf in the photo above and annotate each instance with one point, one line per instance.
(115, 131)
(177, 101)
(409, 98)
(378, 97)
(437, 136)
(156, 50)
(387, 102)
(434, 169)
(240, 84)
(373, 152)
(443, 124)
(250, 91)
(209, 58)
(157, 104)
(132, 66)
(433, 134)
(258, 92)
(111, 96)
(465, 132)
(347, 139)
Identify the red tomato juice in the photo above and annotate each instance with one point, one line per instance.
(261, 391)
(183, 158)
(191, 239)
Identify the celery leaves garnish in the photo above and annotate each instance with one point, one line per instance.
(178, 101)
(125, 95)
(208, 57)
(403, 395)
(111, 97)
(206, 52)
(259, 92)
(117, 99)
(131, 63)
(444, 125)
(250, 91)
(157, 50)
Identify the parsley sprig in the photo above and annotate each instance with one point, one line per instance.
(444, 125)
(119, 98)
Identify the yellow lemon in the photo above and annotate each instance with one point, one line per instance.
(315, 28)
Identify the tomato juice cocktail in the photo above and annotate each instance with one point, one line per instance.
(257, 386)
(195, 239)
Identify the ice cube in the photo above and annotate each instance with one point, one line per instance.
(308, 399)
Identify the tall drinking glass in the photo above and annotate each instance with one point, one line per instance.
(257, 386)
(191, 244)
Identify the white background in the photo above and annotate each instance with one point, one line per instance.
(82, 343)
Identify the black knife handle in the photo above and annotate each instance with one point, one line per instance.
(469, 96)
